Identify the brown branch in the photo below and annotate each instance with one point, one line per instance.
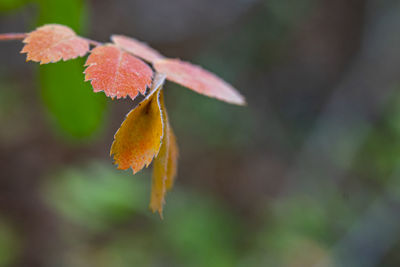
(12, 36)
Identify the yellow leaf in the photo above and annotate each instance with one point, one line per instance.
(159, 177)
(138, 140)
(164, 165)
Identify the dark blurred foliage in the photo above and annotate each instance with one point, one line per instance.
(306, 175)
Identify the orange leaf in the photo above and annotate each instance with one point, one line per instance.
(137, 48)
(164, 165)
(52, 42)
(116, 72)
(199, 80)
(160, 165)
(138, 140)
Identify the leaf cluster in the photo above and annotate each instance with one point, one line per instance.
(122, 69)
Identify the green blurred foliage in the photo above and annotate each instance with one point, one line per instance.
(73, 106)
(102, 201)
(8, 5)
(9, 243)
(97, 197)
(298, 231)
(200, 231)
(72, 13)
(380, 155)
(107, 223)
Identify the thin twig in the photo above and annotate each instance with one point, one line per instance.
(20, 36)
(12, 36)
(92, 42)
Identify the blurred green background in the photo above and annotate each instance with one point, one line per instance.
(308, 174)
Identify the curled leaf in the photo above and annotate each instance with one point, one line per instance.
(116, 72)
(53, 42)
(164, 165)
(164, 170)
(199, 80)
(160, 164)
(137, 48)
(138, 140)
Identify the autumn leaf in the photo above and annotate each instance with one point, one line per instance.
(138, 140)
(52, 42)
(116, 72)
(160, 164)
(164, 165)
(199, 80)
(137, 48)
(164, 171)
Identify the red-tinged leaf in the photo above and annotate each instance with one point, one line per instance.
(199, 80)
(116, 72)
(138, 140)
(52, 42)
(137, 48)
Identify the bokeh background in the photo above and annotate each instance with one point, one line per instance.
(308, 174)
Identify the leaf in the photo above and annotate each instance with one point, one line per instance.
(138, 140)
(173, 154)
(164, 170)
(117, 73)
(160, 165)
(8, 5)
(199, 80)
(137, 48)
(53, 42)
(71, 13)
(71, 104)
(164, 165)
(74, 110)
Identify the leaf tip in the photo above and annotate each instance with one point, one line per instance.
(159, 210)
